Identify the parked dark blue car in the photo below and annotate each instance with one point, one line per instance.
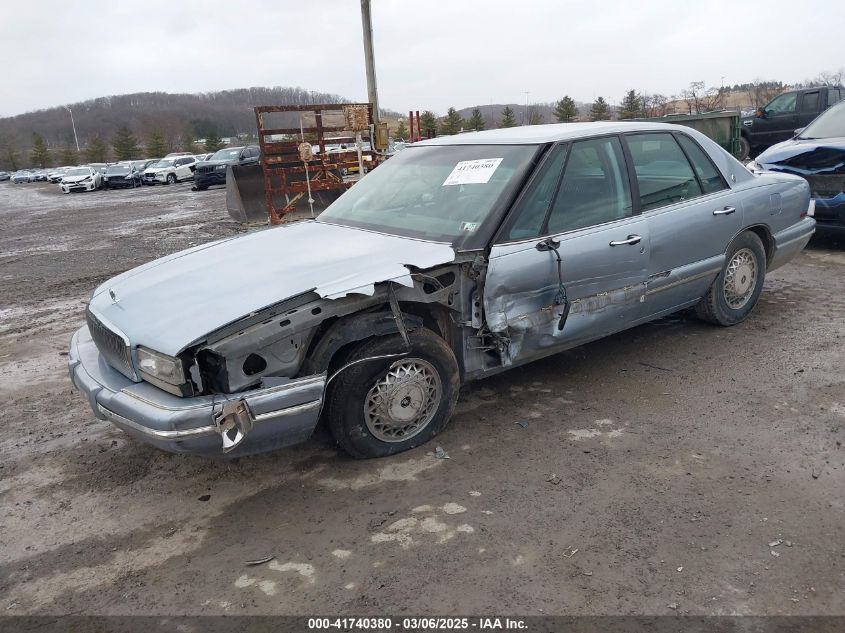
(817, 153)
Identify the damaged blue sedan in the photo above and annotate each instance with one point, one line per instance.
(457, 259)
(816, 153)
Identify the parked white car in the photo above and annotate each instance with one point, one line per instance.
(170, 170)
(81, 179)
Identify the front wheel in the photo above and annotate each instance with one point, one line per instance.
(171, 179)
(735, 291)
(385, 406)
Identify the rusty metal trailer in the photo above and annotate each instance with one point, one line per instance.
(300, 171)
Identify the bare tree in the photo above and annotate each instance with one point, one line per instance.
(830, 77)
(700, 99)
(760, 92)
(655, 105)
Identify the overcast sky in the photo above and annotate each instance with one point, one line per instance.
(430, 54)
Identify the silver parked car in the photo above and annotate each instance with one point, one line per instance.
(458, 258)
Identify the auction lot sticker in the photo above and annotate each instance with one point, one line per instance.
(473, 172)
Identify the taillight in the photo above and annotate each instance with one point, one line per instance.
(811, 209)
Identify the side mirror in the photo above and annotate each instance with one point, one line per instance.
(761, 113)
(798, 131)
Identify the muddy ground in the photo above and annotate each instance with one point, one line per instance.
(657, 469)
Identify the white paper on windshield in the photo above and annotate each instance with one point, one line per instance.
(473, 172)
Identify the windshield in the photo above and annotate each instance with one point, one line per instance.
(79, 171)
(227, 154)
(164, 162)
(441, 193)
(118, 169)
(829, 124)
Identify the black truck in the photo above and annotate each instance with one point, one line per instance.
(778, 119)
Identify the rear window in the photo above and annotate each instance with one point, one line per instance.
(709, 177)
(663, 173)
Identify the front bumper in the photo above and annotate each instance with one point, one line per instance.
(78, 186)
(280, 415)
(206, 179)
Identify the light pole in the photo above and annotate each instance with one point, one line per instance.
(369, 57)
(76, 140)
(525, 116)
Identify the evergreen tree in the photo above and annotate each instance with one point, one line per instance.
(96, 152)
(68, 155)
(125, 144)
(508, 118)
(187, 141)
(476, 121)
(156, 145)
(599, 111)
(631, 106)
(428, 123)
(401, 130)
(9, 155)
(452, 123)
(565, 110)
(40, 155)
(213, 142)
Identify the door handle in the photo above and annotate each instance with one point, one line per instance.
(632, 239)
(725, 211)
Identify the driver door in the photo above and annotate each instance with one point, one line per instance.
(779, 119)
(578, 206)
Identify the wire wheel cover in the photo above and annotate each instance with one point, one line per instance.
(740, 278)
(403, 401)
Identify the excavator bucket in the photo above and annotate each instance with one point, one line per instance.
(245, 199)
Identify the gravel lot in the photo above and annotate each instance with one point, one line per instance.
(657, 472)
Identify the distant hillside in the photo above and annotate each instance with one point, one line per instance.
(228, 112)
(493, 113)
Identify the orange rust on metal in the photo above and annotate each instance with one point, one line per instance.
(282, 165)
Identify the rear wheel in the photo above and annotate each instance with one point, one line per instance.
(388, 405)
(744, 148)
(735, 291)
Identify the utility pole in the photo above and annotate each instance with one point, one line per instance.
(369, 58)
(76, 140)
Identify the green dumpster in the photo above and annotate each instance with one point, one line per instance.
(723, 126)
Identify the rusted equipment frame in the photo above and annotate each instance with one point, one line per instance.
(283, 169)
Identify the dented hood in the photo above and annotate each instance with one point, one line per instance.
(806, 156)
(173, 302)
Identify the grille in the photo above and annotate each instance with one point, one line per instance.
(204, 169)
(111, 345)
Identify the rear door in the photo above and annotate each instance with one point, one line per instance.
(811, 105)
(691, 213)
(578, 206)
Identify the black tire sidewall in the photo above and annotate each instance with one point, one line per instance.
(745, 148)
(729, 315)
(349, 390)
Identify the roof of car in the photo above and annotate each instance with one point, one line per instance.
(535, 134)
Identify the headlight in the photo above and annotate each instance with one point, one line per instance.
(161, 367)
(86, 179)
(753, 166)
(220, 167)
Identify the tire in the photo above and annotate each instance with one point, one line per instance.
(744, 148)
(417, 399)
(735, 291)
(171, 179)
